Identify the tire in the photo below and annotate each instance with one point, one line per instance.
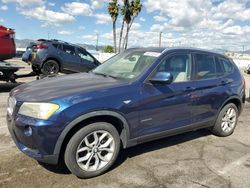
(226, 123)
(81, 156)
(36, 69)
(50, 67)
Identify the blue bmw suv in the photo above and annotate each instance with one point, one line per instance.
(137, 96)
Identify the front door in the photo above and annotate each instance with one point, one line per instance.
(166, 107)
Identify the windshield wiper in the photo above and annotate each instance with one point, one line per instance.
(105, 75)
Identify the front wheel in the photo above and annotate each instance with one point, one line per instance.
(226, 121)
(92, 150)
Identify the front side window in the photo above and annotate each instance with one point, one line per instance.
(205, 65)
(127, 65)
(179, 66)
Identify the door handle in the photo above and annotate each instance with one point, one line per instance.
(190, 89)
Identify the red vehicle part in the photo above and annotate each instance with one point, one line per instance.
(7, 43)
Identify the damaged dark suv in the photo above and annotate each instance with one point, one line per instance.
(53, 56)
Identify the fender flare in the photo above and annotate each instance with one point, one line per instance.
(125, 134)
(230, 98)
(52, 58)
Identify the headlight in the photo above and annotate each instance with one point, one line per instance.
(11, 105)
(38, 110)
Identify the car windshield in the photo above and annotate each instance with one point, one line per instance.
(127, 65)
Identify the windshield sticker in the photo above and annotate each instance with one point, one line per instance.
(152, 54)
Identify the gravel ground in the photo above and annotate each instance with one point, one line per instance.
(195, 159)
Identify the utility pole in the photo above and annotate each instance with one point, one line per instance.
(160, 37)
(97, 41)
(48, 35)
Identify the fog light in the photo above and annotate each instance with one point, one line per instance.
(28, 131)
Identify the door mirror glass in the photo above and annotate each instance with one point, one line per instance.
(162, 78)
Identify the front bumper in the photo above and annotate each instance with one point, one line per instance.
(40, 145)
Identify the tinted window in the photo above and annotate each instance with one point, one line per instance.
(227, 65)
(55, 45)
(219, 68)
(205, 66)
(179, 66)
(85, 56)
(69, 49)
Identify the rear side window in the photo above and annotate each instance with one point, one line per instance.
(55, 45)
(69, 49)
(205, 66)
(227, 65)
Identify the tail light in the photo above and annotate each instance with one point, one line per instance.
(41, 46)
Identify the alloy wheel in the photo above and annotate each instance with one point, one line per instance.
(229, 120)
(95, 151)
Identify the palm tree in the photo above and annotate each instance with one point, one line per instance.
(124, 11)
(134, 10)
(113, 9)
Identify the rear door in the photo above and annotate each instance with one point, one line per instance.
(70, 58)
(87, 62)
(209, 90)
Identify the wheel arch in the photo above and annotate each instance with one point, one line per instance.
(111, 117)
(235, 100)
(54, 59)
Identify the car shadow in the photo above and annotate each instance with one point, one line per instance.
(139, 149)
(7, 87)
(159, 144)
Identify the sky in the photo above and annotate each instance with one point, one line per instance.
(211, 24)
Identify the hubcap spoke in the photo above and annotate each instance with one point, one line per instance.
(83, 149)
(87, 142)
(103, 158)
(88, 162)
(107, 143)
(229, 120)
(85, 158)
(96, 139)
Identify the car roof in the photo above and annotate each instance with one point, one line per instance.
(60, 42)
(176, 49)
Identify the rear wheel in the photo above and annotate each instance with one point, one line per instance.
(92, 150)
(226, 121)
(50, 67)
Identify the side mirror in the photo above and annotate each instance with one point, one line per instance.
(162, 78)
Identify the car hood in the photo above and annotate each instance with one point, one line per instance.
(52, 88)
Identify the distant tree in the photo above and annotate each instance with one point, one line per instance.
(134, 10)
(113, 9)
(108, 49)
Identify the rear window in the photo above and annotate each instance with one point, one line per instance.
(205, 66)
